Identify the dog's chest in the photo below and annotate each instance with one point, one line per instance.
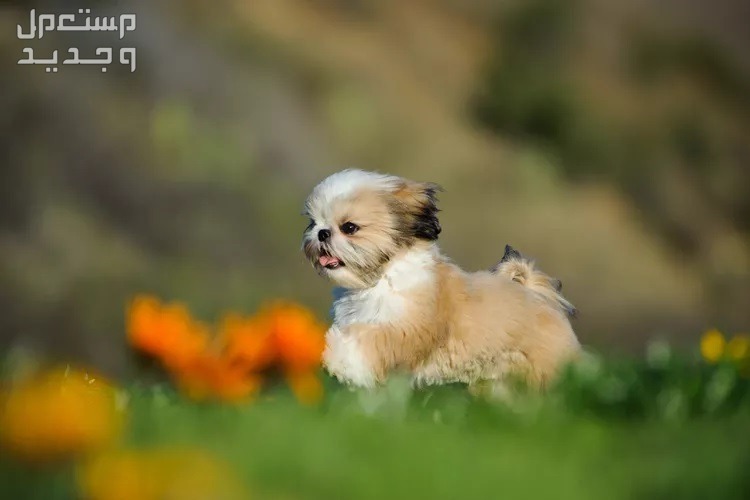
(376, 305)
(388, 299)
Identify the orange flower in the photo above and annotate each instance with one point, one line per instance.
(209, 375)
(233, 385)
(166, 332)
(157, 474)
(248, 343)
(282, 334)
(57, 415)
(299, 337)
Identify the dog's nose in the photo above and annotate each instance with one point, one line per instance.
(324, 234)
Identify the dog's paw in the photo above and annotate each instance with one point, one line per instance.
(343, 358)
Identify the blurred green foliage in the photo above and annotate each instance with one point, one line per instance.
(666, 426)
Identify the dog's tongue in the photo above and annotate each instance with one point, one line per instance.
(326, 260)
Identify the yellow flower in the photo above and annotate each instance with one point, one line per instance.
(158, 474)
(57, 415)
(713, 345)
(738, 348)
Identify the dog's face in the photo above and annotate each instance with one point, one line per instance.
(360, 220)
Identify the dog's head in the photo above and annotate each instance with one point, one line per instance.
(359, 220)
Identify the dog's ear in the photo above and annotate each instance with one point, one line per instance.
(510, 254)
(419, 200)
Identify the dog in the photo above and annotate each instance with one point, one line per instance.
(402, 305)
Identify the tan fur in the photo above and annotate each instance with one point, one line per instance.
(473, 326)
(525, 272)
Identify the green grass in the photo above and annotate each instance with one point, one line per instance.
(661, 428)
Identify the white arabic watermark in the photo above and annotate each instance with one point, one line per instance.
(46, 23)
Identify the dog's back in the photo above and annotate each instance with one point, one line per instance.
(497, 328)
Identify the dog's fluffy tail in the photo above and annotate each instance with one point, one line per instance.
(518, 268)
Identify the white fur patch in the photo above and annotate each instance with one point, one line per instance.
(415, 268)
(343, 184)
(348, 181)
(380, 304)
(384, 302)
(344, 360)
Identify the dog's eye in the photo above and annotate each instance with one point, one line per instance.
(349, 228)
(310, 225)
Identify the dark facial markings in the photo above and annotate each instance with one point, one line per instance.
(417, 220)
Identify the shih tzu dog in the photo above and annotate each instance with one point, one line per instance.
(403, 306)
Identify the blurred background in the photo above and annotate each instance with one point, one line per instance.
(607, 139)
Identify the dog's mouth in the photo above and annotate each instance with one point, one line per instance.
(329, 261)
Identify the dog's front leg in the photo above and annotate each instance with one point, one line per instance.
(346, 358)
(364, 354)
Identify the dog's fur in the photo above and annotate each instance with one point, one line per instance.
(405, 306)
(515, 266)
